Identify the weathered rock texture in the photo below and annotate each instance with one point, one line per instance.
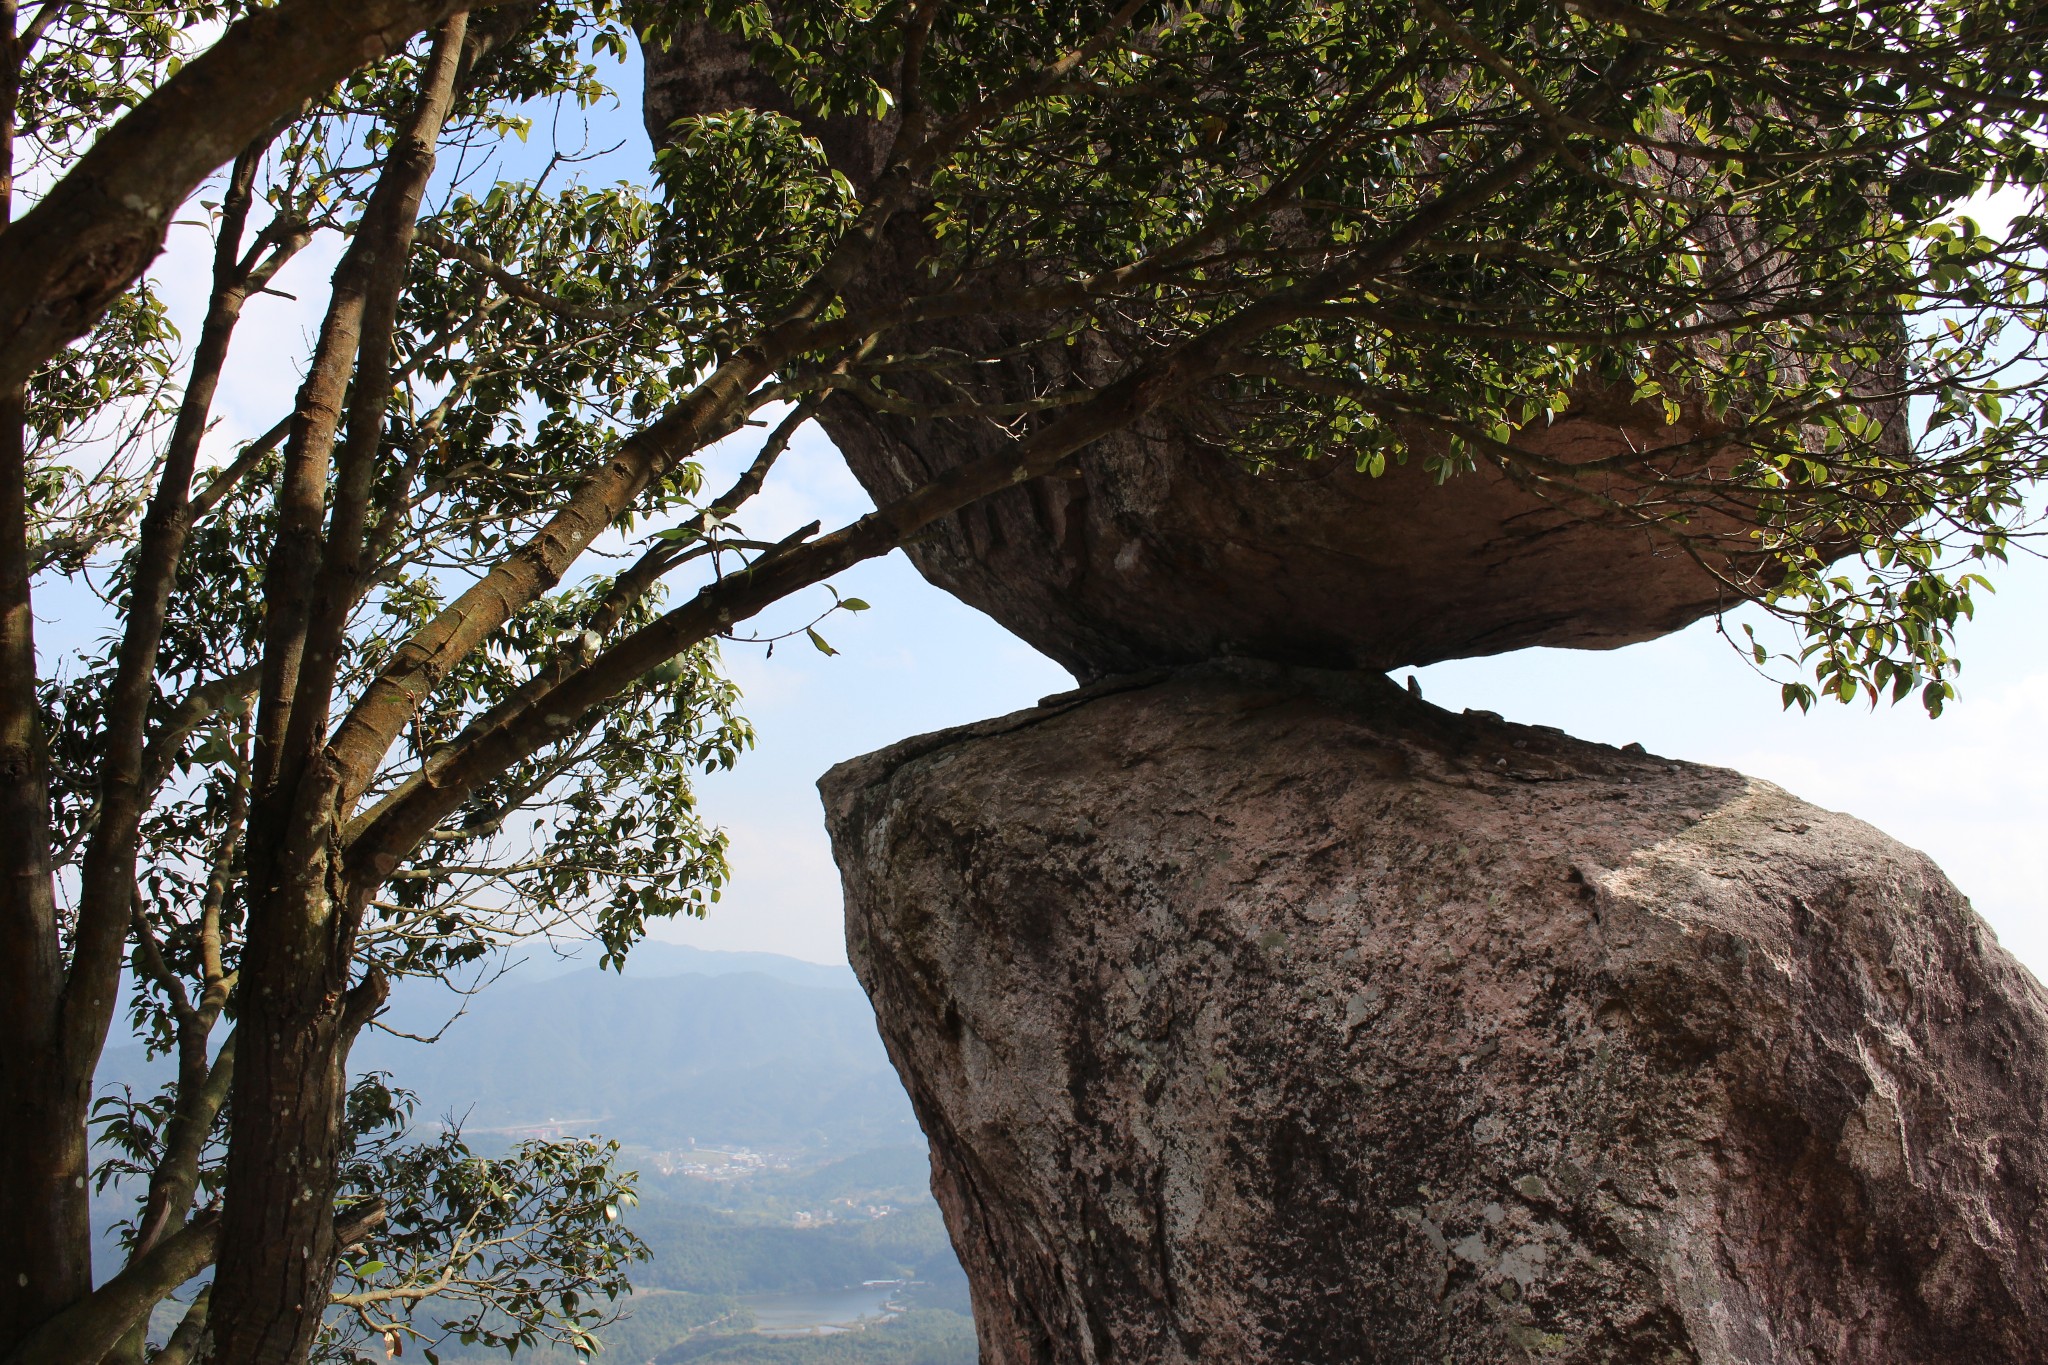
(1160, 547)
(1267, 1015)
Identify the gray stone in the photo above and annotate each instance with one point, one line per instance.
(1260, 1014)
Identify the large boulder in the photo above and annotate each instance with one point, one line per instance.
(1156, 547)
(1162, 545)
(1260, 1014)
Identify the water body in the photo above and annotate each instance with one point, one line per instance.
(821, 1313)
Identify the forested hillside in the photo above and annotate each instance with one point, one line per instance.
(694, 1055)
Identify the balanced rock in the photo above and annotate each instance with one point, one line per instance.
(1263, 1014)
(1161, 546)
(1157, 548)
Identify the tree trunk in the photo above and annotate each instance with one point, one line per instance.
(46, 1255)
(278, 1245)
(45, 1252)
(296, 1013)
(45, 1237)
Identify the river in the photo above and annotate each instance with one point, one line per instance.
(820, 1312)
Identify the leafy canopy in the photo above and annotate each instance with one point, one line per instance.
(427, 668)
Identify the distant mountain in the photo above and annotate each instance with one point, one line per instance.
(658, 1057)
(680, 959)
(688, 1046)
(692, 1048)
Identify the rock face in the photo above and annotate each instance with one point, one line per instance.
(1159, 547)
(1260, 1014)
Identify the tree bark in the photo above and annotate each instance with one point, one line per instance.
(296, 1012)
(91, 1327)
(278, 1245)
(45, 1252)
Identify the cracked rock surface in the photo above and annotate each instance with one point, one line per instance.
(1267, 1014)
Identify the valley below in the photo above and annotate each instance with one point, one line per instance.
(783, 1183)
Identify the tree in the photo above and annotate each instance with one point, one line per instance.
(177, 820)
(377, 703)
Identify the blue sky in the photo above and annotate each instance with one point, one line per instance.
(1971, 789)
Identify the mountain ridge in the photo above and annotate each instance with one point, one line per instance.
(687, 1046)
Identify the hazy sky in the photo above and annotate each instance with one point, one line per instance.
(1971, 789)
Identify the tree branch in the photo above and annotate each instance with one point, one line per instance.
(190, 1333)
(710, 410)
(381, 836)
(307, 622)
(193, 710)
(225, 481)
(107, 871)
(83, 1333)
(520, 288)
(98, 228)
(1707, 30)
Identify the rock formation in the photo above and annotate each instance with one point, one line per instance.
(1261, 1014)
(1157, 547)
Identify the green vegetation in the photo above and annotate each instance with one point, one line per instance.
(372, 693)
(711, 1251)
(669, 1329)
(710, 1244)
(649, 1323)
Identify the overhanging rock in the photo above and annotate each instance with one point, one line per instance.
(1159, 546)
